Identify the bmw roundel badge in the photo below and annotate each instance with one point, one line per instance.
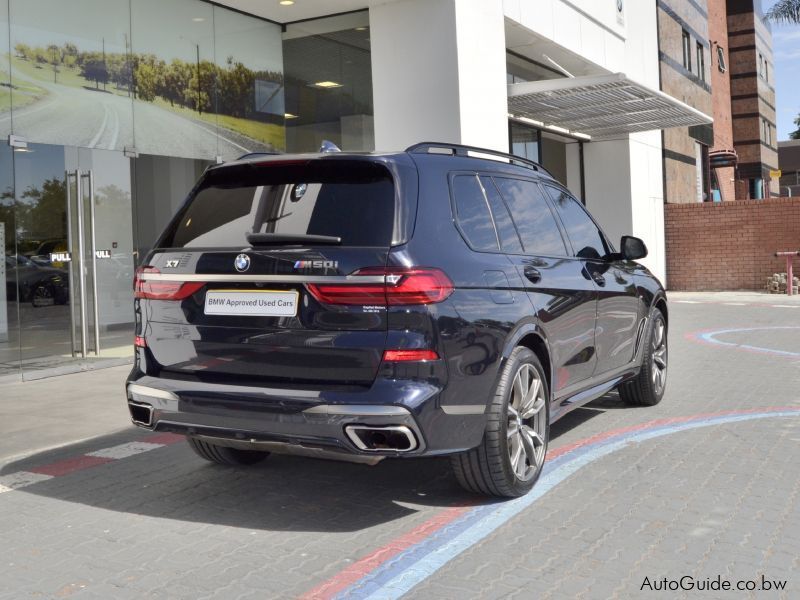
(242, 263)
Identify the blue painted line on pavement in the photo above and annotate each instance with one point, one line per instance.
(408, 569)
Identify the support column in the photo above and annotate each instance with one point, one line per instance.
(439, 73)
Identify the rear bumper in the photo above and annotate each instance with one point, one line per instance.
(304, 418)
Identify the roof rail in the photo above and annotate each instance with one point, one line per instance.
(252, 154)
(462, 150)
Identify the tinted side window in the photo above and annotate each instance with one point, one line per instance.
(587, 241)
(535, 222)
(472, 213)
(509, 239)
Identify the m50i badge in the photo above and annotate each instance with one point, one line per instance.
(316, 264)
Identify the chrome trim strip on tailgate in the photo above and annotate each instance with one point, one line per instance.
(355, 410)
(183, 277)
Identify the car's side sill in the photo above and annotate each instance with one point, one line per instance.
(579, 398)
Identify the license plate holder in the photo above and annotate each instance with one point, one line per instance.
(251, 303)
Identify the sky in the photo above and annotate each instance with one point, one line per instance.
(786, 50)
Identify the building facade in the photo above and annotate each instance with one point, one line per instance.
(113, 108)
(752, 98)
(722, 157)
(684, 52)
(716, 55)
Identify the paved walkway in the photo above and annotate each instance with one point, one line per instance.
(703, 487)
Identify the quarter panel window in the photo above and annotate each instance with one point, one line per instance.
(534, 220)
(472, 213)
(509, 240)
(587, 241)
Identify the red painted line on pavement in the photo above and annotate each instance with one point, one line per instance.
(361, 567)
(372, 561)
(70, 465)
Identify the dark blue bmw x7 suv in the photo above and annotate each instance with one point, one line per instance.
(444, 300)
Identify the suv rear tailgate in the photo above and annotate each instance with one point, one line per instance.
(246, 312)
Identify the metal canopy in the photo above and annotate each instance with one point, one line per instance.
(601, 106)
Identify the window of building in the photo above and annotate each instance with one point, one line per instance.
(766, 71)
(587, 241)
(721, 65)
(701, 62)
(761, 64)
(472, 214)
(562, 156)
(687, 51)
(766, 132)
(328, 83)
(535, 222)
(525, 141)
(520, 69)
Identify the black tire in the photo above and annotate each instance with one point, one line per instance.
(42, 296)
(488, 468)
(223, 455)
(647, 388)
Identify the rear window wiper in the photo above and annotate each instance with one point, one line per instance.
(274, 239)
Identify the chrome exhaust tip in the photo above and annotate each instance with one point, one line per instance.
(141, 413)
(391, 438)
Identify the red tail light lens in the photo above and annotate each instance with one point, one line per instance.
(162, 290)
(409, 355)
(139, 341)
(400, 286)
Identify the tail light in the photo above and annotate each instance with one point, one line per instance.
(409, 355)
(147, 289)
(400, 286)
(139, 341)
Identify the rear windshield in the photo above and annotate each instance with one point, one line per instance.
(350, 200)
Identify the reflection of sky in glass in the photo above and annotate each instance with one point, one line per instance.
(535, 222)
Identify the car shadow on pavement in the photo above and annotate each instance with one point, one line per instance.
(284, 493)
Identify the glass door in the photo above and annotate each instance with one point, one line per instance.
(74, 234)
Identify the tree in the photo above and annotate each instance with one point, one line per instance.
(94, 68)
(145, 79)
(795, 135)
(784, 11)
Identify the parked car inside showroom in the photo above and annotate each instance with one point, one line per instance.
(27, 281)
(439, 301)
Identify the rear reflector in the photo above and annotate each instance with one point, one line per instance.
(409, 355)
(400, 286)
(140, 342)
(162, 290)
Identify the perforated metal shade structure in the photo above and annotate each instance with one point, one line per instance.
(602, 106)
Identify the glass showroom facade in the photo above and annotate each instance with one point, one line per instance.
(112, 109)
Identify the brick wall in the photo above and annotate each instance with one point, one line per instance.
(729, 245)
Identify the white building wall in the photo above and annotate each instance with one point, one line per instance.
(623, 177)
(438, 69)
(439, 73)
(588, 28)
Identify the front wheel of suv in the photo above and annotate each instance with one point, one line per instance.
(223, 455)
(510, 458)
(647, 388)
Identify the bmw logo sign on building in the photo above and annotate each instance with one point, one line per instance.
(242, 263)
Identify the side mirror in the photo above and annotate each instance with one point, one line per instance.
(632, 248)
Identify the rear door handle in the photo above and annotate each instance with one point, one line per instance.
(532, 275)
(599, 279)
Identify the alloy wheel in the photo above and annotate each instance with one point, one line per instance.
(659, 367)
(526, 426)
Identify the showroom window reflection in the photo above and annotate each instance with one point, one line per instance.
(328, 83)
